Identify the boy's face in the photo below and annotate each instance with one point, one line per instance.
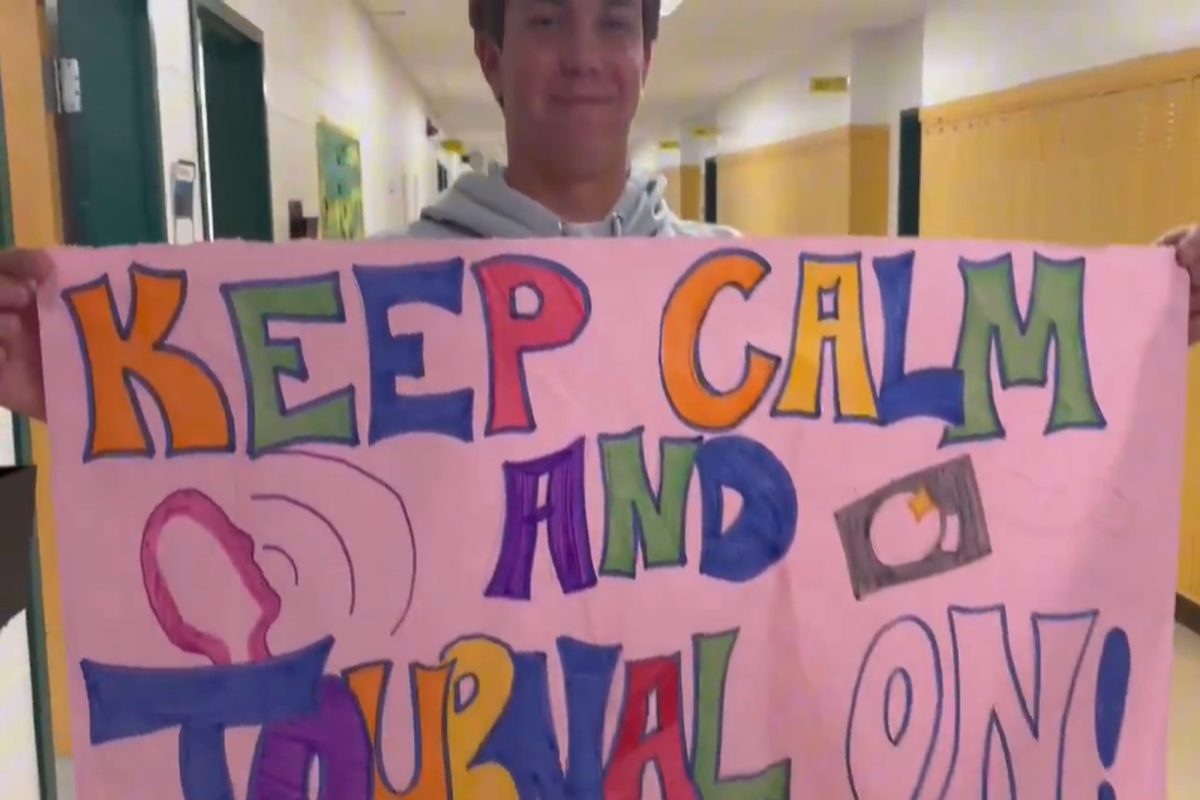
(570, 75)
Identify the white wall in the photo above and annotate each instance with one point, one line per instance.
(885, 69)
(176, 103)
(779, 106)
(322, 59)
(886, 78)
(645, 158)
(978, 46)
(18, 748)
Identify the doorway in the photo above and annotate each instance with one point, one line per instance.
(234, 125)
(111, 149)
(6, 229)
(908, 200)
(710, 190)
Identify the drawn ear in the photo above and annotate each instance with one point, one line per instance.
(239, 548)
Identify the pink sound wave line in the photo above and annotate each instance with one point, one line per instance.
(412, 538)
(324, 520)
(271, 548)
(238, 547)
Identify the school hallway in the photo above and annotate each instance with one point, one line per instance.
(861, 143)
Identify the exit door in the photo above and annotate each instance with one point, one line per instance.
(908, 203)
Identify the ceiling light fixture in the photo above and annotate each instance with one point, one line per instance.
(668, 7)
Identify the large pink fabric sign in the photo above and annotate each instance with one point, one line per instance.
(785, 519)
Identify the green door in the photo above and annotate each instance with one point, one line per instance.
(35, 621)
(908, 215)
(236, 125)
(112, 160)
(6, 224)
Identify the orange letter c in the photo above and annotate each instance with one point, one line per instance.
(692, 397)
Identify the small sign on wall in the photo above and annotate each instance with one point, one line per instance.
(829, 84)
(183, 198)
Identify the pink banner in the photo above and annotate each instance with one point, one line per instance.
(812, 519)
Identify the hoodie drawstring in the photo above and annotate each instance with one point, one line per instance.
(615, 222)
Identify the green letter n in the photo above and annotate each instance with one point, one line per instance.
(991, 318)
(633, 514)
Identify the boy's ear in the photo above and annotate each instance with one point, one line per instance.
(488, 54)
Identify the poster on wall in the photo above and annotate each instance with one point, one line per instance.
(339, 175)
(846, 518)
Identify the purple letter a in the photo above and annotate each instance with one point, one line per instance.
(565, 515)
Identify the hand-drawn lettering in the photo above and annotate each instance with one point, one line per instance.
(1037, 709)
(563, 312)
(712, 655)
(430, 698)
(636, 517)
(1022, 343)
(838, 280)
(116, 355)
(763, 532)
(566, 525)
(488, 665)
(402, 355)
(253, 306)
(950, 490)
(128, 702)
(1112, 690)
(335, 736)
(634, 749)
(890, 740)
(939, 700)
(694, 400)
(936, 393)
(524, 741)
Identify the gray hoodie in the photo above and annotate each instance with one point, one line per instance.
(481, 206)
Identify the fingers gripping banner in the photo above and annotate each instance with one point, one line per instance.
(837, 519)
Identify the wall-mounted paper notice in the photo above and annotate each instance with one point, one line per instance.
(788, 519)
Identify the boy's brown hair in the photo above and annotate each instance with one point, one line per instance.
(487, 18)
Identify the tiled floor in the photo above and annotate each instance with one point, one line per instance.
(1185, 718)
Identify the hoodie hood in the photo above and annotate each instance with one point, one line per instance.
(486, 207)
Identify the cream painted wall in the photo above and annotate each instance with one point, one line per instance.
(322, 59)
(886, 78)
(18, 749)
(645, 158)
(779, 106)
(978, 46)
(176, 102)
(885, 69)
(958, 49)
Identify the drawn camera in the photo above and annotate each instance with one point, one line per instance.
(952, 492)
